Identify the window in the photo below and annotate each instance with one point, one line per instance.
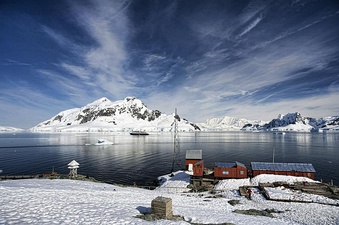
(225, 172)
(241, 172)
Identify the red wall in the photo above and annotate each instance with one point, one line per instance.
(198, 170)
(191, 161)
(288, 173)
(233, 172)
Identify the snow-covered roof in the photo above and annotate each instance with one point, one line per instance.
(300, 167)
(194, 154)
(73, 163)
(73, 167)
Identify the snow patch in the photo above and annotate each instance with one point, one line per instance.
(48, 201)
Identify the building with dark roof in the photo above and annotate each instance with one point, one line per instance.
(289, 169)
(230, 170)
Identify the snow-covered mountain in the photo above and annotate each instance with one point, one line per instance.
(328, 123)
(103, 115)
(10, 129)
(289, 122)
(130, 114)
(297, 122)
(228, 123)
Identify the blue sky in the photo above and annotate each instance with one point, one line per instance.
(248, 59)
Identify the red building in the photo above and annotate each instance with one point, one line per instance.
(198, 169)
(289, 169)
(192, 157)
(230, 170)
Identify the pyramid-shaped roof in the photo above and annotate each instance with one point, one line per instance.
(73, 163)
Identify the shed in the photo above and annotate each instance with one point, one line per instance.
(198, 169)
(289, 169)
(192, 157)
(230, 170)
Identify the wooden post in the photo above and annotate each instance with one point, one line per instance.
(162, 207)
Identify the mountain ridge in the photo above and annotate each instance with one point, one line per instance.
(297, 122)
(131, 113)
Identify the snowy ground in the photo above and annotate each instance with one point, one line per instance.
(281, 193)
(45, 201)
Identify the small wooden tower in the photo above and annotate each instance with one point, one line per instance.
(73, 167)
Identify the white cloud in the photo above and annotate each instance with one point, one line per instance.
(31, 106)
(78, 71)
(153, 60)
(10, 62)
(196, 109)
(58, 38)
(319, 106)
(102, 63)
(224, 79)
(230, 90)
(251, 26)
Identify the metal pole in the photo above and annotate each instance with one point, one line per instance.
(176, 147)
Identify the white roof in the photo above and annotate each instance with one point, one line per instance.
(193, 154)
(73, 163)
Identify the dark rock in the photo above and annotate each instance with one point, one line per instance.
(255, 212)
(234, 202)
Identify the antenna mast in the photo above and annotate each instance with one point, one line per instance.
(176, 158)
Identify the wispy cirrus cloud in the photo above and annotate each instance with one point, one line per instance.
(10, 62)
(102, 63)
(78, 71)
(210, 58)
(57, 37)
(269, 75)
(27, 106)
(251, 26)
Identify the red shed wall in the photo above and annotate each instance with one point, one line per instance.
(198, 170)
(191, 161)
(287, 173)
(232, 172)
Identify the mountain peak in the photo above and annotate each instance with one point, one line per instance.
(104, 115)
(99, 101)
(130, 98)
(103, 99)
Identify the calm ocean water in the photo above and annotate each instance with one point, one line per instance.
(142, 159)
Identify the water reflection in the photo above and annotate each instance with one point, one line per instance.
(141, 159)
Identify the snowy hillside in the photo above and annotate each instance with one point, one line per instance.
(103, 115)
(10, 129)
(53, 201)
(228, 123)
